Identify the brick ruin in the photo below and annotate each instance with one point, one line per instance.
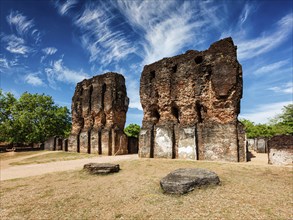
(280, 150)
(99, 107)
(191, 103)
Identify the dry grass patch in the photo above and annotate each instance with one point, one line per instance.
(14, 155)
(246, 192)
(53, 157)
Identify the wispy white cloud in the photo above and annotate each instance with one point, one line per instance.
(24, 27)
(271, 67)
(63, 7)
(99, 37)
(4, 63)
(16, 45)
(49, 50)
(20, 22)
(34, 79)
(286, 88)
(251, 48)
(263, 113)
(24, 37)
(57, 72)
(165, 26)
(245, 13)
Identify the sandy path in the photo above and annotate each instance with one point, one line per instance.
(22, 171)
(259, 159)
(5, 163)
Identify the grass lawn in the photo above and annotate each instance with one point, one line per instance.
(14, 155)
(246, 192)
(54, 156)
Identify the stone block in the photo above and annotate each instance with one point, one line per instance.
(84, 142)
(50, 144)
(73, 143)
(119, 142)
(184, 180)
(101, 168)
(242, 143)
(163, 147)
(251, 144)
(261, 145)
(95, 141)
(106, 143)
(187, 143)
(219, 142)
(145, 143)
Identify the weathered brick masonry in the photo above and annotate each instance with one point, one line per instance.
(99, 107)
(191, 103)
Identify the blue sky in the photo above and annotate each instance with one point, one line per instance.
(49, 46)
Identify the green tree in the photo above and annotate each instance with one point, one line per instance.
(7, 102)
(280, 124)
(32, 118)
(132, 130)
(283, 123)
(249, 128)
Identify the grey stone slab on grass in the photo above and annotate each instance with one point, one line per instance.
(184, 180)
(101, 168)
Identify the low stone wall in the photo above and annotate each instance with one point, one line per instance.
(56, 143)
(18, 147)
(260, 145)
(280, 150)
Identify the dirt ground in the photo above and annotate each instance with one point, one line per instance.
(258, 158)
(11, 172)
(247, 191)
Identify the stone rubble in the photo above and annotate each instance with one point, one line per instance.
(184, 180)
(101, 168)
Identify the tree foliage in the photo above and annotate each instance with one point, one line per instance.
(280, 124)
(32, 118)
(132, 130)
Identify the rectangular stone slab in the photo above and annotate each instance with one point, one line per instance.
(83, 144)
(95, 145)
(218, 143)
(163, 147)
(145, 143)
(72, 143)
(106, 142)
(187, 143)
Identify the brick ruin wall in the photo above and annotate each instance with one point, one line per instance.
(191, 103)
(99, 107)
(280, 150)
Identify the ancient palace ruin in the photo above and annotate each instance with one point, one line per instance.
(191, 103)
(99, 107)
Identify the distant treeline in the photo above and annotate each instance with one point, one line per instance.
(280, 124)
